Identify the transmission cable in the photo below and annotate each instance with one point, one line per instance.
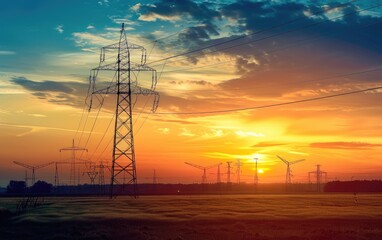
(282, 33)
(293, 45)
(271, 105)
(257, 32)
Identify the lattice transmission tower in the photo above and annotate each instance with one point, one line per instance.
(319, 177)
(124, 85)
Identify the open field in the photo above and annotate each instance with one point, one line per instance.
(321, 216)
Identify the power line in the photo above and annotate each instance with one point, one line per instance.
(254, 33)
(273, 50)
(277, 34)
(272, 105)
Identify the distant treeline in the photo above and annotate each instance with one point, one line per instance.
(16, 188)
(354, 186)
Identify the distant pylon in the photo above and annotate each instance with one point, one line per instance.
(33, 168)
(204, 177)
(155, 179)
(238, 170)
(56, 179)
(73, 149)
(229, 172)
(218, 179)
(101, 174)
(92, 173)
(123, 169)
(319, 174)
(256, 178)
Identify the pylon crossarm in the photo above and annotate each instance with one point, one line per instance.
(23, 165)
(133, 67)
(114, 90)
(43, 165)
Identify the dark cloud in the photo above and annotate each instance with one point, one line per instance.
(180, 8)
(345, 145)
(65, 93)
(203, 13)
(193, 36)
(44, 86)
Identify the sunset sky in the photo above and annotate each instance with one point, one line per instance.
(255, 53)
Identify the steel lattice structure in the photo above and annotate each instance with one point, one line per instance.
(125, 86)
(319, 175)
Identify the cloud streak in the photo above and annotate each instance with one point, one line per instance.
(345, 145)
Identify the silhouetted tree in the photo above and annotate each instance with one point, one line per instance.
(41, 187)
(16, 186)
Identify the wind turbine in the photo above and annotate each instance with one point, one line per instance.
(204, 177)
(288, 179)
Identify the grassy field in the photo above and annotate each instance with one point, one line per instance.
(302, 216)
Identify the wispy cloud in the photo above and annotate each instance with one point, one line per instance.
(267, 144)
(104, 2)
(248, 134)
(37, 115)
(85, 39)
(345, 145)
(7, 53)
(33, 128)
(60, 29)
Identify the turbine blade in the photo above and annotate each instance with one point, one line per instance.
(282, 159)
(297, 161)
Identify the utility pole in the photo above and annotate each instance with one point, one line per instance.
(229, 172)
(256, 179)
(238, 170)
(319, 174)
(155, 179)
(218, 179)
(73, 149)
(204, 177)
(56, 179)
(125, 86)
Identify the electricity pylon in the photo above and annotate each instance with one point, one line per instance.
(204, 177)
(33, 168)
(218, 177)
(73, 149)
(56, 178)
(92, 173)
(319, 174)
(288, 178)
(155, 178)
(256, 178)
(238, 170)
(123, 169)
(229, 172)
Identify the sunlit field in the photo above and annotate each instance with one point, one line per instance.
(316, 216)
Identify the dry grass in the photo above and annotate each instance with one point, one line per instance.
(324, 216)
